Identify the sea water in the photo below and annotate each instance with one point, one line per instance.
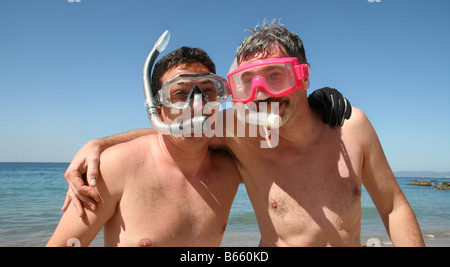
(31, 196)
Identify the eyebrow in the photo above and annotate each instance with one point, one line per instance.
(272, 67)
(246, 73)
(204, 82)
(264, 70)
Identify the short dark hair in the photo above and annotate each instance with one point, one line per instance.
(263, 38)
(182, 55)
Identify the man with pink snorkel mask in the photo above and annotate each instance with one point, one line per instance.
(310, 195)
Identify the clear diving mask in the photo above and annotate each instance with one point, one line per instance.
(180, 90)
(197, 124)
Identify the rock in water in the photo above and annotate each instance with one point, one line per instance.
(443, 186)
(421, 183)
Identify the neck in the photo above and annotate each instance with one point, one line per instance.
(190, 155)
(304, 127)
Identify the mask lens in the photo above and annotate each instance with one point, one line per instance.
(209, 89)
(274, 77)
(178, 93)
(180, 90)
(279, 77)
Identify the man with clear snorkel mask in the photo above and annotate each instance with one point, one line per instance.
(162, 190)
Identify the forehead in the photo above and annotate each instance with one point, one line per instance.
(183, 68)
(275, 51)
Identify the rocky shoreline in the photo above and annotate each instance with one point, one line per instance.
(439, 186)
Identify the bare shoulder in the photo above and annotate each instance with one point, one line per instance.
(360, 127)
(119, 161)
(358, 117)
(358, 121)
(124, 154)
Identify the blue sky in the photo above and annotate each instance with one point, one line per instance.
(71, 72)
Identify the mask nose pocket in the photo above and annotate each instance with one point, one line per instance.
(259, 88)
(196, 91)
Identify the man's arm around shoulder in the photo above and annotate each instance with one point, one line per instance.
(72, 227)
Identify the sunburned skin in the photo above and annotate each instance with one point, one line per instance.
(158, 191)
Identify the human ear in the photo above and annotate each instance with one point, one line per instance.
(305, 84)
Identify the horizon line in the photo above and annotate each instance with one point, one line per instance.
(70, 162)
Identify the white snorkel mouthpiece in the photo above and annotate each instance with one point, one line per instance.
(198, 124)
(271, 120)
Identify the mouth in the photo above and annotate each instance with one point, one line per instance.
(265, 105)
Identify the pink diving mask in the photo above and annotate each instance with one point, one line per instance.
(278, 77)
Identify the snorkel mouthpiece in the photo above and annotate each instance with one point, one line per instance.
(198, 124)
(271, 121)
(261, 118)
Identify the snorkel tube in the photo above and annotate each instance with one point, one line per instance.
(197, 123)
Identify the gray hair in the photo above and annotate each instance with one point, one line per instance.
(264, 38)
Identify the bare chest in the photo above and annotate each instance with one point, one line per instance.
(295, 190)
(313, 192)
(171, 211)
